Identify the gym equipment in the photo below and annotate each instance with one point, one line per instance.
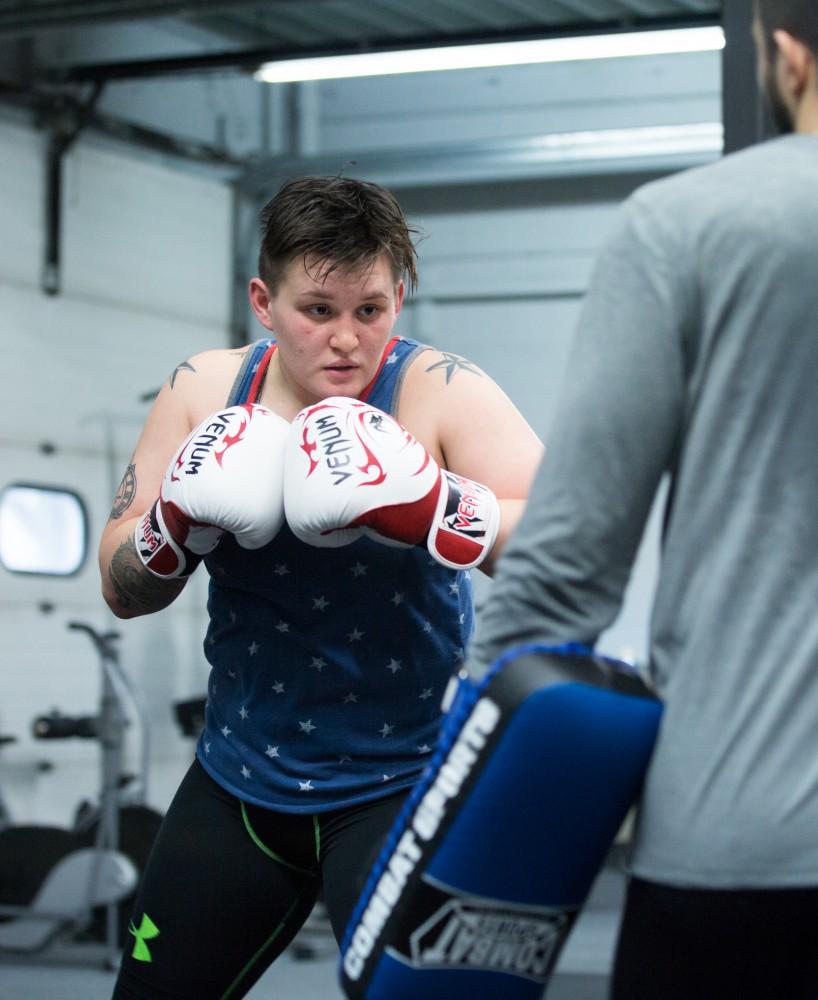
(77, 884)
(190, 716)
(488, 864)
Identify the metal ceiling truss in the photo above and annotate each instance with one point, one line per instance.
(45, 15)
(248, 60)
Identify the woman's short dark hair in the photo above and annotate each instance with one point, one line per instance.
(337, 222)
(798, 17)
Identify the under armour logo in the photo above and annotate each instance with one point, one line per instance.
(147, 931)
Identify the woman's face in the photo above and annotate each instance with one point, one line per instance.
(331, 329)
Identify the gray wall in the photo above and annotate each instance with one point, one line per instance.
(145, 283)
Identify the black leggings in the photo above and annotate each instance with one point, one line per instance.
(227, 887)
(706, 944)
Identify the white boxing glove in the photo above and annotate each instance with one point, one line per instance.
(226, 477)
(351, 469)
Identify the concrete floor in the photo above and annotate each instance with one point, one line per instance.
(582, 971)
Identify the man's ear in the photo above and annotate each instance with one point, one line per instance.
(796, 64)
(260, 301)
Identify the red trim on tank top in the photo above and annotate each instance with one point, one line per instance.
(386, 352)
(254, 390)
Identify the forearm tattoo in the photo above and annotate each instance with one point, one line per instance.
(185, 366)
(452, 364)
(135, 588)
(125, 493)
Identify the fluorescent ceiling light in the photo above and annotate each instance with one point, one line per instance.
(612, 46)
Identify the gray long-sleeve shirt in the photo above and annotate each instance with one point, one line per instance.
(697, 355)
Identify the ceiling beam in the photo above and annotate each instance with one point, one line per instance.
(247, 60)
(44, 105)
(662, 149)
(22, 19)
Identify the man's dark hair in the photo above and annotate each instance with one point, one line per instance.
(798, 17)
(339, 223)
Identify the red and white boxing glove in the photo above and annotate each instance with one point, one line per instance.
(227, 476)
(351, 469)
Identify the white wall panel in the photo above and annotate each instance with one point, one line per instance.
(537, 250)
(439, 108)
(217, 108)
(145, 237)
(22, 152)
(83, 359)
(146, 284)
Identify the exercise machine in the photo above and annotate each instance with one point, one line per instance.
(70, 885)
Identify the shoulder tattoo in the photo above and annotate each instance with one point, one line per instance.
(185, 366)
(125, 493)
(452, 364)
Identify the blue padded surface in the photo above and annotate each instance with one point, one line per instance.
(550, 798)
(479, 905)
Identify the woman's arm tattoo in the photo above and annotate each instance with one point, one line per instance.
(185, 366)
(452, 364)
(135, 588)
(125, 493)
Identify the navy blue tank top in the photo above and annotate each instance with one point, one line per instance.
(328, 665)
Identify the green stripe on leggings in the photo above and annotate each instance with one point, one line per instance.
(237, 981)
(262, 846)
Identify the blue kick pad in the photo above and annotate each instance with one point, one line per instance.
(484, 871)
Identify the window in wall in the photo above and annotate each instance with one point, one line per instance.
(43, 529)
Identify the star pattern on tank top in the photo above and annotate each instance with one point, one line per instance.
(319, 603)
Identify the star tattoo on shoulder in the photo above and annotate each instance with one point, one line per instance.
(185, 366)
(452, 364)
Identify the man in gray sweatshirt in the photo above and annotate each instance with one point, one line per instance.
(696, 359)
